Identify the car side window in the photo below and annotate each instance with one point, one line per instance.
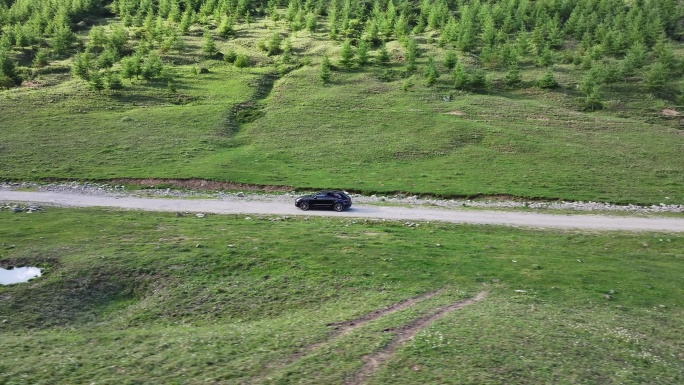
(320, 196)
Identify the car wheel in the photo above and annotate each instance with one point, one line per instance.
(338, 207)
(304, 206)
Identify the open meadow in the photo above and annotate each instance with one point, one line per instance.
(130, 297)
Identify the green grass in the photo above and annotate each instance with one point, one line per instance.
(372, 136)
(358, 133)
(131, 297)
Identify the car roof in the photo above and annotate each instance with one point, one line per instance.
(331, 191)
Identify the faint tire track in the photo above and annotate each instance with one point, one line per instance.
(342, 328)
(374, 361)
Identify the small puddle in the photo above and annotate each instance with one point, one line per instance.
(18, 275)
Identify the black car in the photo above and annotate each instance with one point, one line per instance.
(336, 200)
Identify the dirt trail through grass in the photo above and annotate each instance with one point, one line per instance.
(343, 328)
(375, 360)
(346, 327)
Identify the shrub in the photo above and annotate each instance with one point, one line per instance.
(383, 56)
(479, 81)
(450, 60)
(42, 58)
(230, 56)
(113, 81)
(513, 77)
(95, 81)
(547, 81)
(408, 84)
(241, 61)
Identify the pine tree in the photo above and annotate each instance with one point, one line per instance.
(513, 77)
(346, 54)
(401, 27)
(172, 41)
(592, 101)
(42, 58)
(152, 66)
(6, 82)
(131, 66)
(548, 80)
(657, 76)
(412, 51)
(208, 44)
(62, 39)
(450, 60)
(8, 70)
(489, 32)
(113, 81)
(311, 22)
(226, 29)
(383, 56)
(592, 92)
(241, 61)
(460, 76)
(97, 39)
(611, 73)
(362, 53)
(522, 44)
(186, 20)
(230, 56)
(634, 59)
(82, 65)
(431, 73)
(118, 39)
(325, 72)
(95, 81)
(107, 58)
(371, 32)
(662, 51)
(479, 81)
(680, 95)
(545, 58)
(286, 57)
(273, 45)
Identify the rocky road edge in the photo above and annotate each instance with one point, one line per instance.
(101, 189)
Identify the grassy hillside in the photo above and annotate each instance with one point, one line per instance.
(130, 297)
(611, 131)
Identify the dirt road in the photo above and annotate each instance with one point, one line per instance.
(252, 207)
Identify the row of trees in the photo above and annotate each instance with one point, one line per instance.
(504, 34)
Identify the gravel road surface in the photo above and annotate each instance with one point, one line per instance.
(238, 205)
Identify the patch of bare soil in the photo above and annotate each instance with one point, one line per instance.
(539, 118)
(30, 84)
(458, 113)
(198, 184)
(374, 361)
(669, 112)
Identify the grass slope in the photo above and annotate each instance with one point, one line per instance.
(131, 297)
(358, 133)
